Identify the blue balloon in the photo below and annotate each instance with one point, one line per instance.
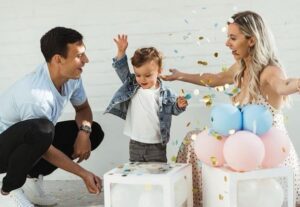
(257, 118)
(226, 117)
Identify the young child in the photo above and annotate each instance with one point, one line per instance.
(144, 102)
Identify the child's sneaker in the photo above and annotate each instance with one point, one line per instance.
(15, 198)
(34, 190)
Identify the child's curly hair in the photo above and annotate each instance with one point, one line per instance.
(145, 55)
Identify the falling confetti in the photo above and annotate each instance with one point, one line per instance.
(173, 158)
(176, 51)
(188, 124)
(221, 197)
(231, 20)
(196, 92)
(225, 178)
(186, 21)
(188, 96)
(224, 69)
(231, 132)
(194, 137)
(213, 160)
(201, 38)
(224, 29)
(200, 62)
(283, 150)
(216, 54)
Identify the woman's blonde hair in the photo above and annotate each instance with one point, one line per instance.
(263, 52)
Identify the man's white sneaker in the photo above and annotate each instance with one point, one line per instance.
(15, 198)
(34, 191)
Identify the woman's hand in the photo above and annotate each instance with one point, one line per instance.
(175, 75)
(122, 44)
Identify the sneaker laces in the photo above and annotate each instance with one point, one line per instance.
(19, 197)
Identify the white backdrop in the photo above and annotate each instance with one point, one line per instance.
(174, 27)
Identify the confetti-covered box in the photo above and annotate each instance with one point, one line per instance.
(265, 187)
(149, 184)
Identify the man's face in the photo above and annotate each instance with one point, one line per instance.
(72, 65)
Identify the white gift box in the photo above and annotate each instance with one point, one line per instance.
(220, 185)
(149, 185)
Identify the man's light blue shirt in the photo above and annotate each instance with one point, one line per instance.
(35, 96)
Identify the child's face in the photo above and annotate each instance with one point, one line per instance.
(147, 74)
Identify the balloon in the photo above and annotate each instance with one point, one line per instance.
(226, 117)
(256, 118)
(277, 147)
(151, 198)
(244, 151)
(247, 193)
(125, 195)
(260, 193)
(271, 193)
(209, 149)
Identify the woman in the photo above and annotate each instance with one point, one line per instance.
(257, 73)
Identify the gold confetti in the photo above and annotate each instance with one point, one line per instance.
(213, 160)
(181, 93)
(188, 124)
(201, 38)
(283, 149)
(216, 135)
(235, 90)
(200, 62)
(224, 69)
(173, 158)
(208, 104)
(219, 88)
(216, 54)
(221, 197)
(225, 178)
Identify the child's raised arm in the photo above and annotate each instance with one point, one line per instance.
(122, 44)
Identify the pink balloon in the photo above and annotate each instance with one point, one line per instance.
(244, 151)
(209, 149)
(277, 147)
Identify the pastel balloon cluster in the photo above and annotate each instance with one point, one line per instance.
(243, 138)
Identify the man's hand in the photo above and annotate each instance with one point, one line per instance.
(93, 183)
(82, 146)
(122, 44)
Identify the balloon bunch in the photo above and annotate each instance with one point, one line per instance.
(243, 138)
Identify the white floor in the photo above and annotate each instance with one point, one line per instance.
(73, 193)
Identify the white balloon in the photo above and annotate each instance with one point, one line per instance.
(260, 193)
(247, 193)
(125, 195)
(151, 198)
(271, 193)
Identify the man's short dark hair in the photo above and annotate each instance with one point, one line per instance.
(56, 41)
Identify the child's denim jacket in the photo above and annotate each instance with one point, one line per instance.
(120, 101)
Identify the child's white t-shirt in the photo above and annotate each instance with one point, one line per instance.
(142, 122)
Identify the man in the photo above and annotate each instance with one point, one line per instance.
(32, 143)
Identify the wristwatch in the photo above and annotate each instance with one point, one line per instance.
(85, 128)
